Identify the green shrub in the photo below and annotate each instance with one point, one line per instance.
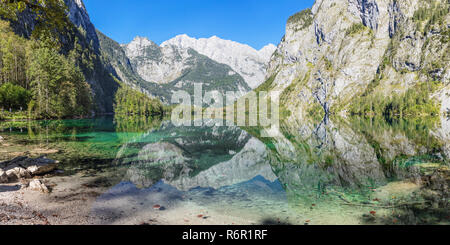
(355, 28)
(430, 15)
(14, 97)
(304, 18)
(415, 102)
(267, 85)
(131, 102)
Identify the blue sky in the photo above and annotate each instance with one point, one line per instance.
(253, 22)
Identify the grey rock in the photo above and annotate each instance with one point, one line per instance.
(37, 185)
(174, 67)
(3, 177)
(17, 173)
(333, 67)
(24, 167)
(367, 10)
(243, 59)
(80, 18)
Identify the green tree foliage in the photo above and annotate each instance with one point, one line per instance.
(58, 85)
(430, 14)
(414, 102)
(13, 51)
(303, 18)
(36, 67)
(50, 15)
(357, 28)
(14, 97)
(131, 102)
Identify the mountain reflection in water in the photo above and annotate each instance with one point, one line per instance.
(353, 171)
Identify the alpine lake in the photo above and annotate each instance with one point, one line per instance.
(330, 172)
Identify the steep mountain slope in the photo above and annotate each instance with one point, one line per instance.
(154, 64)
(79, 16)
(174, 68)
(104, 86)
(75, 33)
(248, 62)
(144, 66)
(360, 56)
(120, 66)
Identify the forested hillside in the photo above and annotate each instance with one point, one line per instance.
(51, 56)
(36, 76)
(129, 102)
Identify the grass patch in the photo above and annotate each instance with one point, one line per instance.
(355, 29)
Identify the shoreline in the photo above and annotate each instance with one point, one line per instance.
(25, 119)
(95, 195)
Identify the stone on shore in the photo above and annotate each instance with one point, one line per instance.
(37, 185)
(24, 167)
(3, 177)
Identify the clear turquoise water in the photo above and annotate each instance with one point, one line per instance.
(333, 172)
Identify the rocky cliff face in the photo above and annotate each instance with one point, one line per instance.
(119, 65)
(341, 50)
(175, 68)
(155, 64)
(102, 82)
(82, 33)
(245, 60)
(79, 16)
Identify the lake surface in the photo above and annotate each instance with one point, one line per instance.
(353, 171)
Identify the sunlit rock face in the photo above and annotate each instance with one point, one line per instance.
(176, 68)
(155, 64)
(79, 16)
(443, 134)
(335, 51)
(251, 64)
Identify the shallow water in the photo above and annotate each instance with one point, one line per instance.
(360, 171)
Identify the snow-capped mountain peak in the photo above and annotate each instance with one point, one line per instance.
(245, 60)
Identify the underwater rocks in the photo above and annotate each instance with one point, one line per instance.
(439, 182)
(158, 161)
(24, 168)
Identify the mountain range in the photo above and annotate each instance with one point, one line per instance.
(339, 57)
(251, 64)
(158, 71)
(364, 57)
(179, 63)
